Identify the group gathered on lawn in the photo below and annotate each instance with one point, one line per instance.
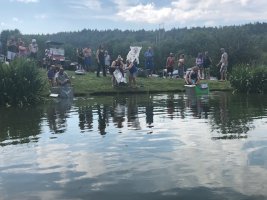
(120, 68)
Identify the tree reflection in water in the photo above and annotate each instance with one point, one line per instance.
(20, 125)
(233, 115)
(228, 116)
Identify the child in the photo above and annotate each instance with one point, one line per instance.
(51, 75)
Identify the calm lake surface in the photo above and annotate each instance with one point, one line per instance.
(164, 146)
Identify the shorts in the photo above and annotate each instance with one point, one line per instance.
(11, 55)
(223, 69)
(169, 70)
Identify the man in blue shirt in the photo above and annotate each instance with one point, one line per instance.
(149, 55)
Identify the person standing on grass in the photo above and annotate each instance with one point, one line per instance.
(181, 66)
(80, 58)
(51, 75)
(132, 67)
(107, 60)
(170, 64)
(87, 53)
(12, 49)
(23, 50)
(100, 57)
(199, 64)
(206, 65)
(223, 64)
(149, 56)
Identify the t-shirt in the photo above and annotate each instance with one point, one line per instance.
(33, 47)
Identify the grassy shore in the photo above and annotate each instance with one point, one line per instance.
(89, 84)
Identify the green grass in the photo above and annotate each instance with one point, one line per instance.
(89, 84)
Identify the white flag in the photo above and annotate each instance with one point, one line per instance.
(134, 54)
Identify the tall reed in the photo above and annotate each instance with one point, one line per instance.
(21, 83)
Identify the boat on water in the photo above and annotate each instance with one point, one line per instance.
(200, 89)
(65, 92)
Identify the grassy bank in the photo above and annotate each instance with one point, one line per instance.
(89, 84)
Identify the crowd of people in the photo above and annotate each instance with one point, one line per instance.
(201, 69)
(192, 75)
(18, 48)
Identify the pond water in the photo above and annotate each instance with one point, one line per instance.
(152, 146)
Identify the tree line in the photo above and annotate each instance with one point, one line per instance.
(245, 44)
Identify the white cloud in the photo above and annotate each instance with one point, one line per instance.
(41, 16)
(192, 12)
(86, 4)
(16, 20)
(146, 13)
(26, 1)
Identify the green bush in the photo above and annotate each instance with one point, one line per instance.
(20, 83)
(247, 79)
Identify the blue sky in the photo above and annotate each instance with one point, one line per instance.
(52, 16)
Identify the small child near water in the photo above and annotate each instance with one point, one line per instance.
(51, 75)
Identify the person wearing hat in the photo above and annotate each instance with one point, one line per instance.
(170, 65)
(33, 48)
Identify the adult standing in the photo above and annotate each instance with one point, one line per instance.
(149, 56)
(199, 64)
(87, 53)
(170, 64)
(206, 65)
(80, 58)
(132, 67)
(223, 64)
(12, 49)
(181, 66)
(23, 51)
(33, 48)
(107, 60)
(100, 57)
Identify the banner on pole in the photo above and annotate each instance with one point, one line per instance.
(134, 54)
